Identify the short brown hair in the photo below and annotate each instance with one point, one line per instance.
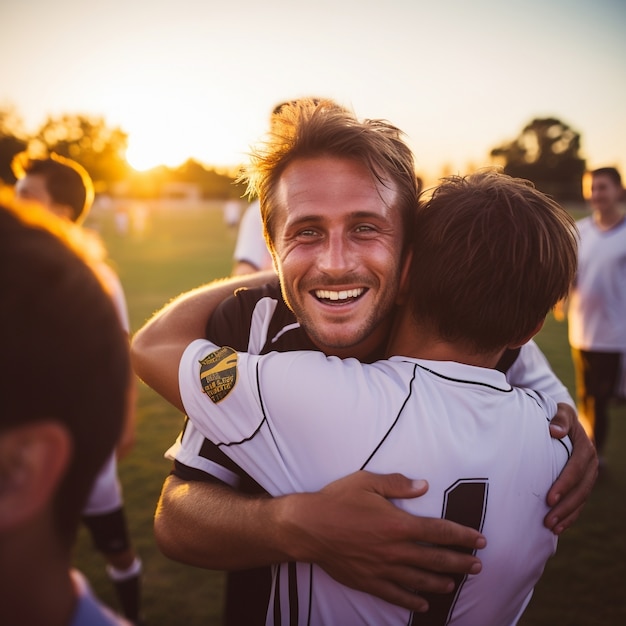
(316, 127)
(67, 182)
(492, 256)
(610, 172)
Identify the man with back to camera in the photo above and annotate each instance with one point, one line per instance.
(63, 187)
(441, 412)
(382, 556)
(63, 398)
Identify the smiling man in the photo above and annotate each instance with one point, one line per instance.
(338, 198)
(337, 267)
(442, 411)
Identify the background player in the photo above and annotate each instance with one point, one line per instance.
(251, 253)
(597, 304)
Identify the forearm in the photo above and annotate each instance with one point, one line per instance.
(349, 528)
(210, 525)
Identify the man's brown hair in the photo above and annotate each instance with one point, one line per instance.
(492, 256)
(317, 127)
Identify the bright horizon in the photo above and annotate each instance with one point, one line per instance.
(197, 79)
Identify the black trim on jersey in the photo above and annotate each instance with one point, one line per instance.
(211, 452)
(569, 454)
(393, 424)
(507, 359)
(464, 381)
(185, 472)
(258, 428)
(533, 396)
(308, 613)
(465, 502)
(276, 607)
(293, 594)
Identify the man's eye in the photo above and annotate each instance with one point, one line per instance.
(365, 228)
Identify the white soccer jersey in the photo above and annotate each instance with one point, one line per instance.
(297, 421)
(114, 288)
(106, 492)
(597, 305)
(262, 323)
(251, 246)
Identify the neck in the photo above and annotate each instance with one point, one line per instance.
(368, 350)
(36, 585)
(410, 340)
(608, 219)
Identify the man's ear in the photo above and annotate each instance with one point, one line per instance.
(405, 281)
(529, 336)
(33, 460)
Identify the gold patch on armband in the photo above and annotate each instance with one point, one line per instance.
(218, 373)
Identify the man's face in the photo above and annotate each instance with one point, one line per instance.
(605, 194)
(337, 243)
(32, 187)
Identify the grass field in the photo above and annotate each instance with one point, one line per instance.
(182, 247)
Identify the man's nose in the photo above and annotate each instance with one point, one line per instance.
(336, 256)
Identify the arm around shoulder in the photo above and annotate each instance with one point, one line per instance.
(156, 349)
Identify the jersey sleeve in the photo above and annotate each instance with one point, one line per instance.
(255, 321)
(271, 415)
(532, 370)
(196, 457)
(230, 322)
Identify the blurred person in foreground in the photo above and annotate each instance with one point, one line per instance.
(63, 187)
(437, 408)
(596, 306)
(64, 394)
(338, 249)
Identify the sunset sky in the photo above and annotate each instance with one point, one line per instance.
(198, 78)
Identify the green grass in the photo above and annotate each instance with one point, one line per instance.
(184, 247)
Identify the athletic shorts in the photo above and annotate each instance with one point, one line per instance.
(106, 492)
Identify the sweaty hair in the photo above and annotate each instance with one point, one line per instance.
(316, 127)
(64, 354)
(492, 255)
(610, 172)
(67, 182)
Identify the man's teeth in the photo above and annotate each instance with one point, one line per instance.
(324, 294)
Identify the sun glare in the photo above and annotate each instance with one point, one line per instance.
(144, 154)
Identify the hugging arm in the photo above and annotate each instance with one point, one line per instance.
(349, 528)
(571, 490)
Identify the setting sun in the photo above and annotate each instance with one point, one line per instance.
(145, 153)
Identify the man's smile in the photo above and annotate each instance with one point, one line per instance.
(339, 296)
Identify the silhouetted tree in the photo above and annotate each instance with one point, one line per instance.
(100, 149)
(12, 141)
(212, 183)
(547, 153)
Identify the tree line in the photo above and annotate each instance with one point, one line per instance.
(101, 150)
(546, 152)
